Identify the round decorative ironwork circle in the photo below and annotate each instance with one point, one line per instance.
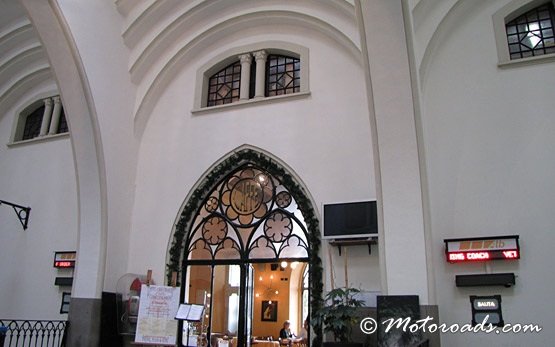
(246, 196)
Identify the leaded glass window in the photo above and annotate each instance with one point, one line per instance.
(283, 75)
(250, 215)
(531, 34)
(62, 127)
(32, 123)
(223, 86)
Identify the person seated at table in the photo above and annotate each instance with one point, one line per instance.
(285, 334)
(303, 337)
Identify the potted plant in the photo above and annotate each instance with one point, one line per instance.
(338, 315)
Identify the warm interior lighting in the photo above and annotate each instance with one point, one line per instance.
(257, 295)
(277, 292)
(260, 278)
(283, 264)
(270, 302)
(271, 277)
(208, 295)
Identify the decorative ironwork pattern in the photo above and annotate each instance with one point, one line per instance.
(21, 211)
(283, 75)
(179, 250)
(33, 123)
(531, 34)
(223, 87)
(39, 333)
(250, 215)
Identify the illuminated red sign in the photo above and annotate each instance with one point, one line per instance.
(64, 264)
(454, 257)
(482, 249)
(65, 259)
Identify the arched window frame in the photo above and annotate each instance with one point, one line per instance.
(197, 198)
(21, 114)
(227, 57)
(513, 10)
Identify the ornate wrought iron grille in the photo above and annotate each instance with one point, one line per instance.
(38, 333)
(531, 34)
(223, 87)
(283, 75)
(251, 217)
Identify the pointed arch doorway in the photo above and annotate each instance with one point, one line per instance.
(241, 246)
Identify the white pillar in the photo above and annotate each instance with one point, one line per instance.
(55, 116)
(245, 60)
(260, 57)
(46, 116)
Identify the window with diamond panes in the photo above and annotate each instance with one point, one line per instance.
(32, 124)
(223, 87)
(531, 34)
(283, 75)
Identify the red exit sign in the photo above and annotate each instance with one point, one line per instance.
(482, 249)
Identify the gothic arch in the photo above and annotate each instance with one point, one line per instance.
(241, 157)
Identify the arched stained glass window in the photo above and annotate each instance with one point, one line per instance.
(249, 215)
(33, 123)
(223, 86)
(531, 34)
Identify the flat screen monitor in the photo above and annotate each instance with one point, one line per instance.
(350, 220)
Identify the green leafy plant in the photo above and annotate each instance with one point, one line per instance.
(338, 313)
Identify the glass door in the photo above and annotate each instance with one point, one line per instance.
(250, 302)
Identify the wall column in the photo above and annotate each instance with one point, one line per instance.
(46, 116)
(88, 282)
(403, 253)
(55, 116)
(260, 57)
(245, 60)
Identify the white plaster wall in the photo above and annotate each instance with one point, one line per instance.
(488, 137)
(40, 175)
(325, 138)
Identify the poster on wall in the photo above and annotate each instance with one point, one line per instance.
(156, 322)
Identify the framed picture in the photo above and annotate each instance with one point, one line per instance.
(269, 311)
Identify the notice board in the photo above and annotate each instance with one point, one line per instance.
(156, 322)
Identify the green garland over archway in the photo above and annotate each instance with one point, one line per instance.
(241, 157)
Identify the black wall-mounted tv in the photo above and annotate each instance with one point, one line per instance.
(350, 220)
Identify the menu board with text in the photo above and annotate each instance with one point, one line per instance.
(156, 322)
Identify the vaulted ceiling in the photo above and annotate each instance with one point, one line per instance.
(24, 68)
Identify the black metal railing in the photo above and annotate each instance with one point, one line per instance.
(34, 333)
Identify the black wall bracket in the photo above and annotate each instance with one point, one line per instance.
(21, 211)
(498, 279)
(369, 241)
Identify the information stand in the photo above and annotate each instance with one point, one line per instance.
(158, 306)
(189, 313)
